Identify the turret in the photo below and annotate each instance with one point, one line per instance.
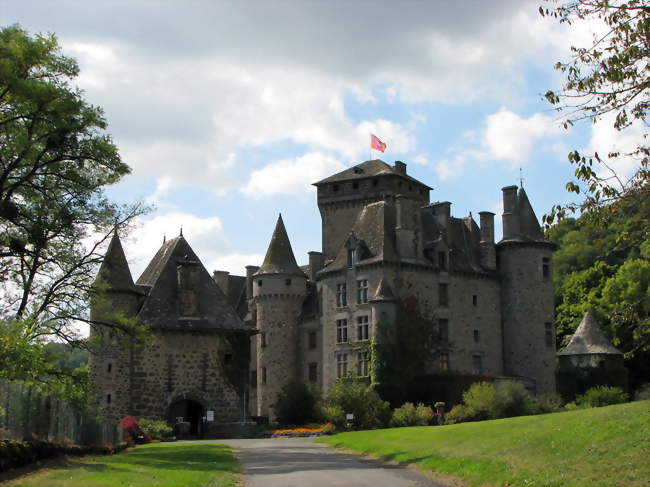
(279, 289)
(109, 361)
(527, 310)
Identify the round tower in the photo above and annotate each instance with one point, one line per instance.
(279, 290)
(110, 355)
(527, 308)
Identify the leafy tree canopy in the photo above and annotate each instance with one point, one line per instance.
(55, 161)
(610, 76)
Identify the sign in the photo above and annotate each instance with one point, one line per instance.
(349, 416)
(210, 416)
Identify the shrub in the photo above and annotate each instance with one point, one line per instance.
(545, 403)
(297, 403)
(155, 430)
(458, 414)
(353, 396)
(601, 396)
(480, 400)
(510, 399)
(642, 393)
(410, 415)
(328, 429)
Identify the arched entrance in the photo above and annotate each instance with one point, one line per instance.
(191, 412)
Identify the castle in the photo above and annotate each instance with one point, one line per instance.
(224, 346)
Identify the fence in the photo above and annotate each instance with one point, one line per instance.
(26, 412)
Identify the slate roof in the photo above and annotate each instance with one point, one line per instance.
(368, 169)
(279, 257)
(375, 232)
(589, 339)
(528, 224)
(114, 270)
(237, 294)
(160, 308)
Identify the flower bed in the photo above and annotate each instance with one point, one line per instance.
(300, 431)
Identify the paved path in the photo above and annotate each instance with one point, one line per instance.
(299, 462)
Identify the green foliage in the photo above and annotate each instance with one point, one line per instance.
(411, 415)
(511, 399)
(55, 161)
(403, 351)
(155, 430)
(352, 396)
(297, 403)
(608, 77)
(642, 393)
(545, 403)
(601, 396)
(480, 399)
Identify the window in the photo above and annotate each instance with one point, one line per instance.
(548, 334)
(263, 339)
(443, 362)
(443, 294)
(355, 185)
(335, 187)
(477, 364)
(546, 267)
(108, 398)
(476, 336)
(254, 379)
(287, 282)
(311, 339)
(363, 364)
(442, 261)
(341, 295)
(313, 372)
(227, 358)
(362, 328)
(341, 365)
(362, 291)
(263, 375)
(109, 367)
(375, 182)
(352, 257)
(475, 300)
(443, 330)
(341, 331)
(259, 283)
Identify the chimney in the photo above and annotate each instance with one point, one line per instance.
(316, 263)
(400, 167)
(250, 270)
(487, 226)
(510, 213)
(488, 251)
(221, 278)
(442, 212)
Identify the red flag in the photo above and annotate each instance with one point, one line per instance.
(377, 144)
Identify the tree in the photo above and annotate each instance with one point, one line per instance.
(612, 76)
(55, 161)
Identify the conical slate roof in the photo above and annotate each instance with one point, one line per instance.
(279, 257)
(589, 339)
(528, 223)
(384, 292)
(115, 269)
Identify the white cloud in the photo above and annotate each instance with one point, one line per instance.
(420, 159)
(291, 175)
(205, 235)
(510, 137)
(449, 168)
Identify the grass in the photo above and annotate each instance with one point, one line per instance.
(601, 447)
(159, 465)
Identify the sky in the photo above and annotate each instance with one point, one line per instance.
(228, 111)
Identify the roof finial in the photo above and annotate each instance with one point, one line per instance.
(164, 238)
(181, 230)
(521, 177)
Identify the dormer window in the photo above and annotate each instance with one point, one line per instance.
(442, 260)
(352, 257)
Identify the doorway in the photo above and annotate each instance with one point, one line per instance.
(191, 412)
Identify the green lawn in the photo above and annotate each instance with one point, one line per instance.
(603, 447)
(159, 465)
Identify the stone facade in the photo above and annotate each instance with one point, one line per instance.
(194, 365)
(385, 247)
